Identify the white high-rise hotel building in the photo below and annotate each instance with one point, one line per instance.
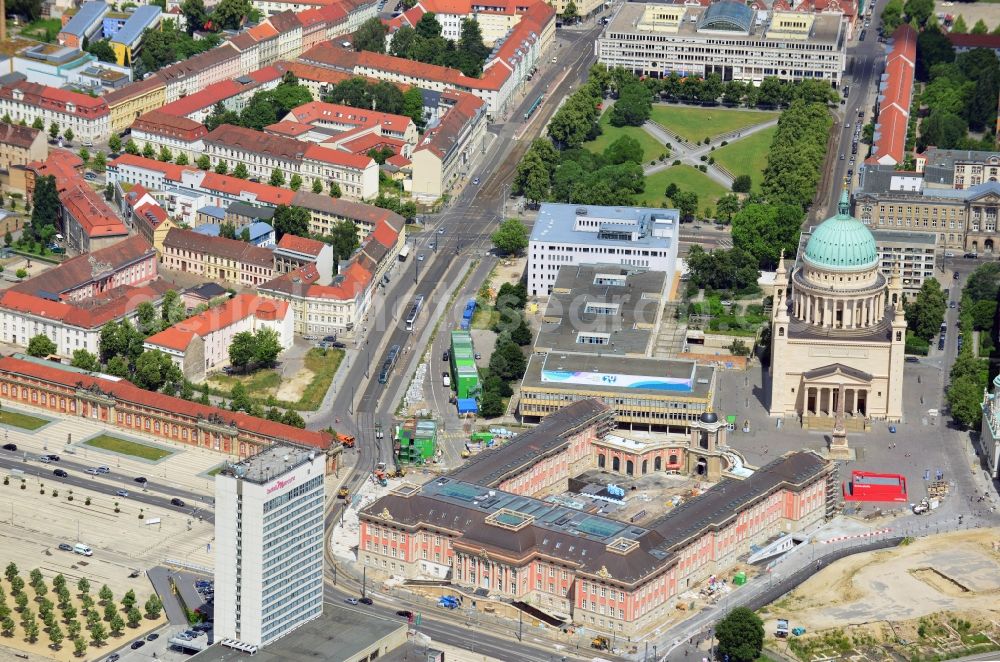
(269, 545)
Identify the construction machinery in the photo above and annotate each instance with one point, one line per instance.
(343, 493)
(346, 440)
(600, 643)
(380, 474)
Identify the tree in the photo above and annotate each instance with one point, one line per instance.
(241, 350)
(105, 594)
(230, 14)
(182, 159)
(134, 617)
(154, 369)
(570, 13)
(98, 633)
(634, 105)
(741, 635)
(727, 206)
(277, 177)
(295, 183)
(686, 203)
(68, 134)
(919, 10)
(116, 624)
(290, 220)
(100, 161)
(7, 626)
(83, 585)
(85, 360)
(522, 334)
(926, 312)
(511, 237)
(933, 47)
(240, 171)
(221, 168)
(54, 131)
(370, 36)
(31, 630)
(764, 230)
(490, 404)
(56, 636)
(293, 418)
(532, 178)
(227, 230)
(195, 15)
(892, 15)
(623, 150)
(982, 69)
(45, 203)
(132, 148)
(69, 613)
(41, 346)
(148, 152)
(343, 238)
(335, 190)
(10, 572)
(959, 26)
(128, 600)
(153, 607)
(942, 129)
(102, 50)
(165, 154)
(317, 186)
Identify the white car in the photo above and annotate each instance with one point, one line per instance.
(420, 258)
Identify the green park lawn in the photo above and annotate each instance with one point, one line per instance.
(651, 148)
(22, 421)
(747, 156)
(695, 124)
(687, 178)
(126, 447)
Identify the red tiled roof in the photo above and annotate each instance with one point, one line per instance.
(891, 139)
(152, 213)
(91, 314)
(368, 141)
(399, 161)
(443, 137)
(311, 72)
(56, 99)
(205, 98)
(92, 212)
(241, 306)
(974, 40)
(167, 124)
(78, 271)
(170, 170)
(356, 211)
(265, 75)
(301, 244)
(249, 140)
(338, 158)
(128, 392)
(385, 235)
(288, 128)
(316, 112)
(271, 195)
(17, 135)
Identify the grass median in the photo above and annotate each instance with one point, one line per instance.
(23, 421)
(126, 447)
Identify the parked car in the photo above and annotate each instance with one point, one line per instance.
(65, 547)
(136, 645)
(445, 356)
(10, 447)
(142, 480)
(405, 613)
(61, 473)
(114, 657)
(329, 338)
(351, 601)
(176, 502)
(152, 636)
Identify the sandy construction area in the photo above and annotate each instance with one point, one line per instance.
(957, 572)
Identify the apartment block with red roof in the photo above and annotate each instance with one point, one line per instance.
(200, 344)
(201, 70)
(322, 306)
(179, 135)
(72, 325)
(131, 262)
(19, 145)
(216, 258)
(293, 252)
(123, 405)
(450, 149)
(317, 79)
(347, 118)
(233, 94)
(88, 116)
(262, 153)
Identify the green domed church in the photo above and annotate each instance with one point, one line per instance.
(837, 331)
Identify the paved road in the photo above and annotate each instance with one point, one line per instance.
(866, 59)
(152, 495)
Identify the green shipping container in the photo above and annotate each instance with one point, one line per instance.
(464, 374)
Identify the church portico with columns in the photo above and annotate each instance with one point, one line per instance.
(838, 332)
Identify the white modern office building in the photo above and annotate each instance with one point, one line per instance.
(269, 545)
(729, 38)
(569, 235)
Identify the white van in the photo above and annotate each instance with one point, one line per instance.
(80, 548)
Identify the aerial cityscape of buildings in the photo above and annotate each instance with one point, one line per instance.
(521, 331)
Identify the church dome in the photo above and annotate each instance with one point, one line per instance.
(842, 242)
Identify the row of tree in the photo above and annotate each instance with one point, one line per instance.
(771, 93)
(969, 374)
(166, 45)
(508, 362)
(797, 153)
